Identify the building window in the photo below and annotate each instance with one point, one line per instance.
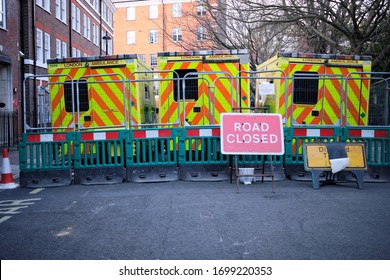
(2, 14)
(61, 49)
(200, 8)
(75, 18)
(95, 34)
(153, 36)
(110, 43)
(78, 20)
(43, 46)
(58, 48)
(153, 11)
(64, 49)
(176, 35)
(104, 11)
(201, 34)
(87, 27)
(109, 17)
(142, 57)
(130, 13)
(46, 50)
(153, 60)
(130, 37)
(305, 88)
(61, 10)
(95, 4)
(76, 52)
(176, 10)
(44, 4)
(39, 46)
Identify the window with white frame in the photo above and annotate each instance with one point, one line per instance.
(58, 48)
(75, 18)
(176, 35)
(153, 60)
(39, 46)
(61, 10)
(200, 8)
(64, 50)
(95, 4)
(3, 14)
(58, 9)
(142, 57)
(76, 52)
(110, 17)
(153, 36)
(176, 10)
(110, 47)
(130, 13)
(130, 37)
(87, 27)
(104, 11)
(201, 34)
(44, 4)
(46, 49)
(153, 11)
(61, 49)
(95, 34)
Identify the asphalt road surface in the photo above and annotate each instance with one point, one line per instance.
(196, 220)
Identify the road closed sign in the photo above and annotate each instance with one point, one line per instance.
(260, 134)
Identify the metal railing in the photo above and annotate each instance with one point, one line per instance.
(9, 129)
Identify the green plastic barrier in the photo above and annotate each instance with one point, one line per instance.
(45, 159)
(200, 157)
(152, 154)
(99, 157)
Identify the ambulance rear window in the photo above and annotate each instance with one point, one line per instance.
(305, 88)
(190, 82)
(83, 95)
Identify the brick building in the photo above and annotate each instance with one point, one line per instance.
(152, 26)
(33, 31)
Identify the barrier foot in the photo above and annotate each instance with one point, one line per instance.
(359, 174)
(315, 175)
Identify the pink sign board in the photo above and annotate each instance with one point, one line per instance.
(260, 134)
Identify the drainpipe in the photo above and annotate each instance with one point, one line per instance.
(22, 50)
(163, 23)
(34, 51)
(100, 29)
(70, 28)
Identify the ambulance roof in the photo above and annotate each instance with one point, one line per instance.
(91, 58)
(203, 52)
(324, 56)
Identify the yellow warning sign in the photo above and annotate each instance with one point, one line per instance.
(317, 157)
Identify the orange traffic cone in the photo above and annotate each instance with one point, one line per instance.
(7, 180)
